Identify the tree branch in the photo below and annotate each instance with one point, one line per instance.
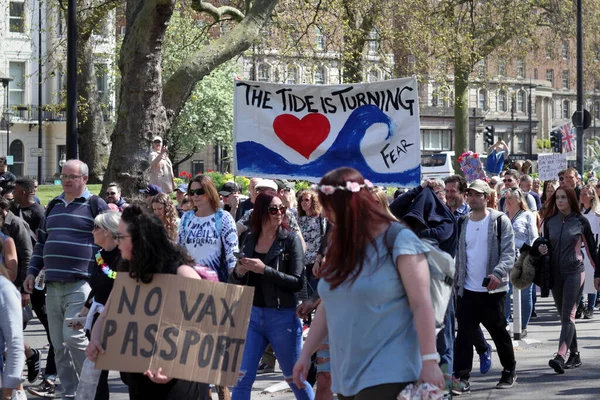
(179, 86)
(218, 13)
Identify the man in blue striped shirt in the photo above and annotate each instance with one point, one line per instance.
(65, 249)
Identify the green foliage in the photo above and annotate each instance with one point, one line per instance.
(207, 117)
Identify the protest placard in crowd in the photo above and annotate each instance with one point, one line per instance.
(305, 131)
(549, 165)
(193, 329)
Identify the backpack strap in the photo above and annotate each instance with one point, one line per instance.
(93, 199)
(50, 206)
(391, 234)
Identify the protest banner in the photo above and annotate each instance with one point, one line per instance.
(304, 131)
(193, 329)
(549, 165)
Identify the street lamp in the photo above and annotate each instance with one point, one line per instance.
(5, 79)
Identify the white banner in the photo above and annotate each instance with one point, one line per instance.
(549, 165)
(304, 131)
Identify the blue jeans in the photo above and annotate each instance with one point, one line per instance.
(526, 305)
(283, 330)
(445, 337)
(591, 301)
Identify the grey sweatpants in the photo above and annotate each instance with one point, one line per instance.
(566, 291)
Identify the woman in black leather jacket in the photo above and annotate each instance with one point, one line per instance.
(272, 263)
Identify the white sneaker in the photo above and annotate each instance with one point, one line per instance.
(18, 395)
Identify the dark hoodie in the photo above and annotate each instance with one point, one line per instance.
(428, 217)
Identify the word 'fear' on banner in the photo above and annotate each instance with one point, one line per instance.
(304, 131)
(193, 329)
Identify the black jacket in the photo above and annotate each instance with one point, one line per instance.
(428, 217)
(18, 229)
(283, 273)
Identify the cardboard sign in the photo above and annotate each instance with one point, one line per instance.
(193, 329)
(549, 165)
(305, 131)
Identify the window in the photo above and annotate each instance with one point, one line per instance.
(597, 84)
(565, 110)
(17, 150)
(565, 79)
(60, 86)
(482, 100)
(374, 75)
(550, 76)
(16, 87)
(373, 44)
(521, 143)
(197, 167)
(597, 110)
(319, 39)
(549, 51)
(565, 50)
(501, 67)
(436, 139)
(502, 97)
(520, 101)
(101, 81)
(320, 75)
(293, 75)
(535, 73)
(264, 73)
(481, 67)
(520, 68)
(16, 18)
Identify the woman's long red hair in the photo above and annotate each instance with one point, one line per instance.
(354, 214)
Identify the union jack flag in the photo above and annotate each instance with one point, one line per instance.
(567, 132)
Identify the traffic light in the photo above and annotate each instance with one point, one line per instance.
(556, 141)
(489, 135)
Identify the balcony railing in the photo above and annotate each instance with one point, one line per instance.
(30, 113)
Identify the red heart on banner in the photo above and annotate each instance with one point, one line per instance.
(303, 135)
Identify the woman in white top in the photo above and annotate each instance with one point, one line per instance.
(589, 209)
(208, 233)
(525, 228)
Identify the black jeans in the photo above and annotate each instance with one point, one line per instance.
(38, 303)
(475, 308)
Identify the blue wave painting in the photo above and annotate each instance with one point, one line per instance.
(255, 159)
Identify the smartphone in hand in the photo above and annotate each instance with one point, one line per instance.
(486, 281)
(239, 255)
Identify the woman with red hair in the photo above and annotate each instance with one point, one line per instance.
(368, 306)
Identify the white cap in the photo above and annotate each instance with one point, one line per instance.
(266, 184)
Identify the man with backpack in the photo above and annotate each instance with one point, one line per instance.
(485, 256)
(65, 249)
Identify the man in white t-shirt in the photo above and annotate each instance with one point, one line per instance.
(484, 258)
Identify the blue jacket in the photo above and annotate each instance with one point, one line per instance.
(428, 217)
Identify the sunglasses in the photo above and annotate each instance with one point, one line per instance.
(111, 193)
(197, 192)
(507, 180)
(274, 210)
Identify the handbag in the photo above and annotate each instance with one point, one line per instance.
(27, 314)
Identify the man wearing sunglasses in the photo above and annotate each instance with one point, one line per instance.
(511, 180)
(113, 195)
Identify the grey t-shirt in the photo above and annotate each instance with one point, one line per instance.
(372, 334)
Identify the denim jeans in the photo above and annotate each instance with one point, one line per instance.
(281, 328)
(591, 301)
(526, 305)
(64, 300)
(445, 337)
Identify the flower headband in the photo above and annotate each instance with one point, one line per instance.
(353, 187)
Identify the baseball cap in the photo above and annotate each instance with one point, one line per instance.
(228, 188)
(183, 188)
(480, 187)
(266, 184)
(157, 138)
(284, 184)
(151, 190)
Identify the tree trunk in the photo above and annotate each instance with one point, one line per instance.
(93, 142)
(461, 112)
(145, 108)
(140, 113)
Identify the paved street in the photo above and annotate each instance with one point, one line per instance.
(535, 379)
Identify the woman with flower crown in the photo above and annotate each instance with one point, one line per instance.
(381, 328)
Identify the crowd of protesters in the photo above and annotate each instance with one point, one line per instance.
(339, 257)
